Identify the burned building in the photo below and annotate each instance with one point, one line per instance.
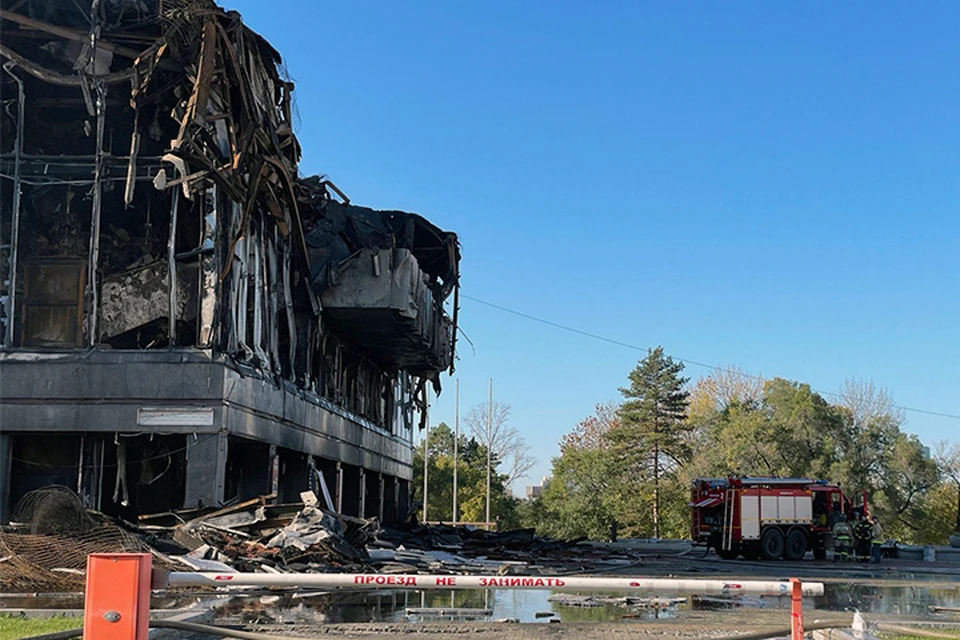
(186, 320)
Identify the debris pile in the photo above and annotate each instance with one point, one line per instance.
(276, 538)
(627, 602)
(463, 549)
(43, 553)
(45, 547)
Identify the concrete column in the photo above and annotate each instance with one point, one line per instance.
(339, 497)
(206, 469)
(4, 477)
(294, 477)
(274, 470)
(403, 497)
(363, 492)
(312, 484)
(398, 510)
(388, 497)
(380, 498)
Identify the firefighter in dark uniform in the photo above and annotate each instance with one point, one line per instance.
(841, 539)
(863, 532)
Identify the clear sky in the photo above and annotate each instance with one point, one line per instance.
(769, 185)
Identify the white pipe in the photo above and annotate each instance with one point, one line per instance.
(556, 583)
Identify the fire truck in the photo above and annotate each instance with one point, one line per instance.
(769, 518)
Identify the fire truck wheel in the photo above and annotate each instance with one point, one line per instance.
(729, 554)
(796, 545)
(771, 544)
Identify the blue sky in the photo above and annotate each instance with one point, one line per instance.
(769, 185)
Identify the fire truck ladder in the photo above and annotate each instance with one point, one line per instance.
(728, 504)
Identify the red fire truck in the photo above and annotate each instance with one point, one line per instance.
(768, 518)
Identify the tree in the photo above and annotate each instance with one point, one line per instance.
(873, 424)
(507, 445)
(471, 480)
(725, 387)
(579, 500)
(651, 437)
(909, 476)
(948, 460)
(805, 427)
(875, 454)
(576, 500)
(593, 431)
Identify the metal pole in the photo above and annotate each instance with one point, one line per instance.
(489, 447)
(95, 218)
(101, 109)
(426, 453)
(172, 269)
(15, 214)
(561, 583)
(456, 443)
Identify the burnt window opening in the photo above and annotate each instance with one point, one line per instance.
(248, 470)
(142, 474)
(293, 475)
(120, 475)
(39, 460)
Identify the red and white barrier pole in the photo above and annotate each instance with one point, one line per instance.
(119, 584)
(556, 583)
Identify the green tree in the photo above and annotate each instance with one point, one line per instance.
(785, 429)
(909, 476)
(651, 439)
(938, 507)
(948, 461)
(471, 480)
(790, 430)
(579, 500)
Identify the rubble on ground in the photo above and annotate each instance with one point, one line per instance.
(275, 538)
(627, 602)
(50, 535)
(261, 536)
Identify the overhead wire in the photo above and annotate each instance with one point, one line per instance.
(696, 363)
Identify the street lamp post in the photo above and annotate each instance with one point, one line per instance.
(456, 443)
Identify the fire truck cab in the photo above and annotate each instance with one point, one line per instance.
(769, 518)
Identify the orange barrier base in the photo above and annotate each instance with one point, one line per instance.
(796, 610)
(117, 600)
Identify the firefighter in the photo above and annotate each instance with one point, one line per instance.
(863, 533)
(876, 540)
(841, 539)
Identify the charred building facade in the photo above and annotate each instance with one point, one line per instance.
(184, 319)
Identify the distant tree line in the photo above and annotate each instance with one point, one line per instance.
(632, 463)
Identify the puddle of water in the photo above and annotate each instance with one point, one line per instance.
(392, 606)
(524, 605)
(902, 600)
(460, 605)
